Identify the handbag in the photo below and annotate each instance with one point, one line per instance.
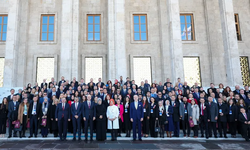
(157, 126)
(44, 121)
(19, 129)
(28, 124)
(191, 123)
(17, 124)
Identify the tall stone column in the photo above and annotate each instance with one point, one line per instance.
(12, 44)
(120, 48)
(66, 40)
(111, 40)
(175, 42)
(75, 42)
(230, 43)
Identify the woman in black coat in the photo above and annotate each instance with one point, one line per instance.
(154, 111)
(146, 110)
(44, 121)
(232, 117)
(126, 116)
(162, 118)
(54, 123)
(100, 121)
(3, 116)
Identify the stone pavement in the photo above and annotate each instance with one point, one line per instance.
(181, 143)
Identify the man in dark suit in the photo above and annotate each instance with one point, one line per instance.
(62, 81)
(52, 82)
(242, 95)
(222, 118)
(89, 113)
(34, 113)
(124, 92)
(176, 115)
(76, 111)
(136, 116)
(213, 117)
(100, 82)
(44, 84)
(196, 94)
(10, 97)
(185, 88)
(237, 89)
(204, 114)
(12, 114)
(211, 87)
(244, 119)
(59, 92)
(62, 115)
(185, 115)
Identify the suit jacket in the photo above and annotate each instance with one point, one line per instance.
(60, 82)
(242, 119)
(43, 85)
(224, 109)
(124, 93)
(88, 112)
(206, 111)
(213, 112)
(77, 111)
(9, 98)
(234, 115)
(247, 101)
(182, 110)
(197, 97)
(59, 111)
(11, 113)
(136, 113)
(176, 112)
(38, 109)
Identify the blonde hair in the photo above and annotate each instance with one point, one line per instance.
(53, 103)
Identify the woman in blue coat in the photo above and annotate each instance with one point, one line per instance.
(169, 126)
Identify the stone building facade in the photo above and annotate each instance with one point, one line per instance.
(214, 41)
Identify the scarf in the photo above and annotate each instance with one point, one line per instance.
(45, 108)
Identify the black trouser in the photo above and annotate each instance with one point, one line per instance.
(185, 125)
(245, 132)
(114, 134)
(152, 127)
(3, 125)
(23, 126)
(89, 122)
(33, 124)
(63, 127)
(232, 127)
(195, 128)
(203, 126)
(145, 125)
(11, 127)
(120, 127)
(76, 126)
(222, 126)
(212, 125)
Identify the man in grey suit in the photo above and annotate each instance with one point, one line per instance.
(213, 117)
(185, 114)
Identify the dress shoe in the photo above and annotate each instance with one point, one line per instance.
(207, 137)
(221, 136)
(225, 136)
(30, 136)
(35, 136)
(202, 136)
(15, 136)
(215, 136)
(9, 136)
(24, 136)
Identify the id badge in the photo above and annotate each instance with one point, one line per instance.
(25, 113)
(126, 110)
(160, 113)
(230, 112)
(220, 111)
(34, 111)
(14, 108)
(152, 111)
(144, 110)
(185, 111)
(167, 115)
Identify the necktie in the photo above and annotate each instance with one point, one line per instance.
(63, 107)
(76, 106)
(202, 109)
(245, 116)
(89, 104)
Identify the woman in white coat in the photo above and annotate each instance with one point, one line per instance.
(195, 117)
(113, 121)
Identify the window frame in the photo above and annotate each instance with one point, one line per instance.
(100, 24)
(1, 29)
(146, 23)
(192, 26)
(237, 27)
(41, 27)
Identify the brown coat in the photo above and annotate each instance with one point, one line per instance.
(20, 112)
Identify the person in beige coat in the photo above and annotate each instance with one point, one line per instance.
(195, 117)
(23, 116)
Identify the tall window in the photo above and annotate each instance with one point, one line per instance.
(140, 28)
(45, 69)
(192, 70)
(47, 27)
(3, 27)
(187, 27)
(245, 72)
(94, 28)
(237, 25)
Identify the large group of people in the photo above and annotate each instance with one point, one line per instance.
(147, 110)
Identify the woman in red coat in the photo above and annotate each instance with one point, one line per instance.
(190, 98)
(121, 110)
